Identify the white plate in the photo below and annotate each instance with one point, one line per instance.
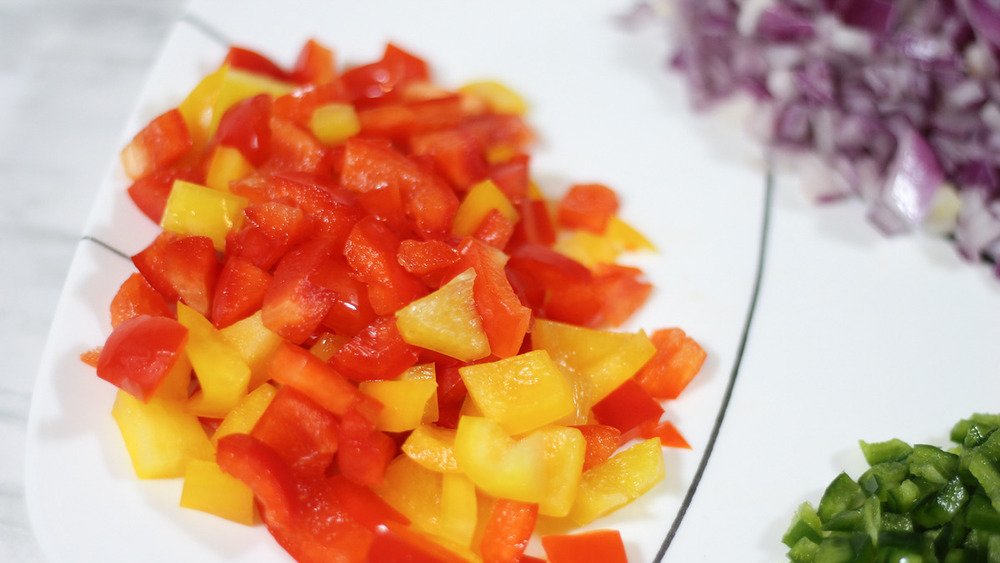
(851, 336)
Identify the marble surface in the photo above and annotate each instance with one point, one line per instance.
(69, 73)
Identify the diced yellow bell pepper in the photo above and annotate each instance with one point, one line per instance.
(626, 235)
(193, 209)
(209, 489)
(160, 436)
(497, 96)
(227, 165)
(414, 491)
(221, 371)
(498, 464)
(242, 419)
(176, 385)
(481, 199)
(332, 124)
(588, 248)
(432, 447)
(618, 481)
(255, 344)
(459, 508)
(237, 85)
(197, 107)
(564, 455)
(403, 402)
(521, 393)
(446, 321)
(424, 372)
(611, 371)
(603, 358)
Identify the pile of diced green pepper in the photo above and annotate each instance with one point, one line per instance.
(915, 504)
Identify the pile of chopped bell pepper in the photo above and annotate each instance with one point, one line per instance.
(364, 325)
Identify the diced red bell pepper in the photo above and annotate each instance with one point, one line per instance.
(136, 297)
(298, 106)
(314, 65)
(623, 290)
(246, 126)
(295, 366)
(365, 451)
(293, 149)
(363, 505)
(436, 113)
(430, 204)
(495, 229)
(457, 155)
(299, 430)
(350, 311)
(677, 360)
(451, 394)
(507, 531)
(578, 303)
(535, 226)
(296, 301)
(371, 250)
(627, 407)
(265, 472)
(302, 513)
(668, 434)
(423, 257)
(547, 268)
(396, 543)
(140, 353)
(587, 206)
(377, 352)
(508, 132)
(269, 229)
(505, 319)
(151, 263)
(595, 546)
(252, 61)
(192, 267)
(386, 204)
(512, 177)
(385, 77)
(161, 143)
(602, 442)
(332, 209)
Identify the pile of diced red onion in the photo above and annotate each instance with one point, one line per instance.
(899, 99)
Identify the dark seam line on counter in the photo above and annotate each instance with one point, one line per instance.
(206, 28)
(765, 228)
(99, 242)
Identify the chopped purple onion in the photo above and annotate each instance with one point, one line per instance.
(898, 98)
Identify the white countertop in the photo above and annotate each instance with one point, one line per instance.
(69, 73)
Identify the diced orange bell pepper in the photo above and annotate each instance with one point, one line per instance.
(677, 360)
(594, 546)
